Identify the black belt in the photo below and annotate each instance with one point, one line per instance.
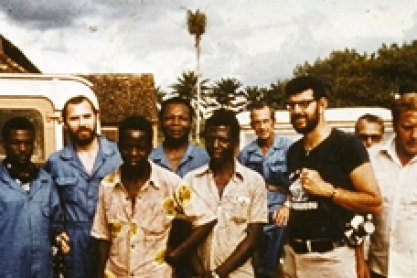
(321, 245)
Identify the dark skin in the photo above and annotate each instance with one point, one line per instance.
(134, 146)
(176, 126)
(221, 147)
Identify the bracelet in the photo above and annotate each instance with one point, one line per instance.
(287, 204)
(334, 192)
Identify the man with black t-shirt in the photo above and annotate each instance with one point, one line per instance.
(331, 180)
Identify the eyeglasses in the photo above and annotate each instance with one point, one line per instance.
(303, 104)
(373, 137)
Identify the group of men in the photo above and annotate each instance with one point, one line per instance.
(113, 206)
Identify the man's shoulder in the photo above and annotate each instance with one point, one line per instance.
(160, 173)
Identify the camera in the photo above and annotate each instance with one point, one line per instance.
(358, 228)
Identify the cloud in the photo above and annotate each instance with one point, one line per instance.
(45, 14)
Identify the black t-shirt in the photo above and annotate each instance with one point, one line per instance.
(334, 158)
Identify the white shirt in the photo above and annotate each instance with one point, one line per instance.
(393, 250)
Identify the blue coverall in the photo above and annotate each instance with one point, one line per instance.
(193, 158)
(79, 195)
(26, 226)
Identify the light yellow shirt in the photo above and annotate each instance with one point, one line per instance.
(244, 201)
(393, 249)
(138, 235)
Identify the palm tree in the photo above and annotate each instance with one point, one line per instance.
(186, 87)
(196, 23)
(160, 96)
(226, 93)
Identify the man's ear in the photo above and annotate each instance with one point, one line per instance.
(323, 104)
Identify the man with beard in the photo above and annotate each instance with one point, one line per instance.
(177, 153)
(267, 155)
(331, 180)
(235, 194)
(77, 170)
(30, 213)
(134, 216)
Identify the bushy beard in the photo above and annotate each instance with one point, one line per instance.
(312, 122)
(85, 140)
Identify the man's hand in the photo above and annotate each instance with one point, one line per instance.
(314, 184)
(62, 240)
(281, 215)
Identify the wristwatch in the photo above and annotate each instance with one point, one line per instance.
(214, 274)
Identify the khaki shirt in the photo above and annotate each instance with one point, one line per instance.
(244, 201)
(139, 234)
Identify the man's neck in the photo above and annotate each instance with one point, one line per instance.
(175, 144)
(316, 136)
(266, 144)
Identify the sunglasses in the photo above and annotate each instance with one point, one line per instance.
(373, 137)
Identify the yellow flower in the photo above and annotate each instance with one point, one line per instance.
(110, 178)
(115, 228)
(108, 274)
(160, 256)
(169, 206)
(184, 194)
(133, 229)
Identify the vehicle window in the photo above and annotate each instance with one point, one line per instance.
(36, 118)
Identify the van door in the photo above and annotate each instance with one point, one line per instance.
(40, 112)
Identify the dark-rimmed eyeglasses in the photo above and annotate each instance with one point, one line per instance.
(303, 104)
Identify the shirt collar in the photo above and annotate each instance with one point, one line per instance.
(106, 148)
(115, 178)
(239, 169)
(389, 149)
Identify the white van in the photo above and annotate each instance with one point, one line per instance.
(342, 118)
(41, 98)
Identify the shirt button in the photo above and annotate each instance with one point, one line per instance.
(132, 246)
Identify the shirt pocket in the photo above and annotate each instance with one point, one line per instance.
(278, 172)
(67, 188)
(237, 207)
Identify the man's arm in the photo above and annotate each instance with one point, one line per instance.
(243, 251)
(103, 255)
(365, 199)
(197, 236)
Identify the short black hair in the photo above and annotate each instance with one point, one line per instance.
(176, 100)
(136, 122)
(76, 100)
(303, 83)
(224, 117)
(15, 123)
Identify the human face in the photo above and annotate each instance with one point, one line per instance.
(219, 144)
(176, 122)
(262, 123)
(304, 111)
(370, 133)
(19, 147)
(406, 135)
(81, 123)
(135, 147)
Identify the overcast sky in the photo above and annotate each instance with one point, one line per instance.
(256, 41)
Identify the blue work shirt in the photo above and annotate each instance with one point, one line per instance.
(193, 158)
(79, 194)
(273, 168)
(26, 226)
